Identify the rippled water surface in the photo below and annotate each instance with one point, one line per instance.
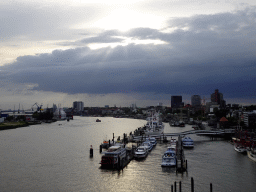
(55, 157)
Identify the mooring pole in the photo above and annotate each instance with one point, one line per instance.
(180, 186)
(192, 184)
(210, 187)
(171, 188)
(175, 187)
(91, 151)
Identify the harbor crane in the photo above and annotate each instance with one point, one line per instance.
(39, 107)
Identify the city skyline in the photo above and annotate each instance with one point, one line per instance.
(119, 52)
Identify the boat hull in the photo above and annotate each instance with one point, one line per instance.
(240, 149)
(251, 155)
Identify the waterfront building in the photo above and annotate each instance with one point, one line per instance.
(176, 102)
(196, 100)
(78, 106)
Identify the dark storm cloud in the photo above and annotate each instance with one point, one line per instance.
(201, 53)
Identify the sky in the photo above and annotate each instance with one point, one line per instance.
(120, 53)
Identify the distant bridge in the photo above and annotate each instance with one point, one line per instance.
(219, 132)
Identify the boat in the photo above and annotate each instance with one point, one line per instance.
(240, 148)
(187, 142)
(98, 120)
(169, 158)
(148, 145)
(152, 140)
(251, 153)
(172, 144)
(154, 124)
(141, 152)
(113, 157)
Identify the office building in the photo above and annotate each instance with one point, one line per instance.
(78, 105)
(176, 102)
(196, 100)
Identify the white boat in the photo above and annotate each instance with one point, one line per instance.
(148, 145)
(141, 152)
(169, 158)
(152, 140)
(187, 142)
(112, 156)
(252, 154)
(240, 148)
(154, 124)
(172, 145)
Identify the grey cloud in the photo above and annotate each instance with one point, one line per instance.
(195, 61)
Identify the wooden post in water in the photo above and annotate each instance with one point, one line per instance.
(192, 184)
(113, 138)
(171, 188)
(100, 148)
(91, 151)
(180, 186)
(210, 187)
(175, 187)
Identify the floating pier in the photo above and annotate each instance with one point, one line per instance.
(181, 163)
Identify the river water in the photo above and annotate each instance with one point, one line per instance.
(55, 157)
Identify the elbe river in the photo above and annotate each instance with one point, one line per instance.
(55, 157)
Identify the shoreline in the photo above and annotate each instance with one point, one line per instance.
(19, 124)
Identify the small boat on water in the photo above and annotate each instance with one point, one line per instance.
(240, 148)
(251, 153)
(169, 158)
(152, 140)
(148, 145)
(187, 142)
(98, 120)
(141, 152)
(114, 156)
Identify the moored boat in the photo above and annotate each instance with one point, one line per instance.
(148, 145)
(141, 152)
(154, 124)
(98, 120)
(169, 158)
(252, 155)
(152, 140)
(113, 157)
(240, 148)
(187, 142)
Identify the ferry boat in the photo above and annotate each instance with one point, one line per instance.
(169, 158)
(112, 156)
(187, 142)
(141, 152)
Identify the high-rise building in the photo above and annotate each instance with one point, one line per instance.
(218, 98)
(78, 105)
(176, 102)
(195, 100)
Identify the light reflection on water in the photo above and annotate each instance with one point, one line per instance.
(55, 157)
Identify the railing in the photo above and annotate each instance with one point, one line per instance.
(198, 132)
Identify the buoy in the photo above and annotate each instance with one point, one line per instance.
(91, 151)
